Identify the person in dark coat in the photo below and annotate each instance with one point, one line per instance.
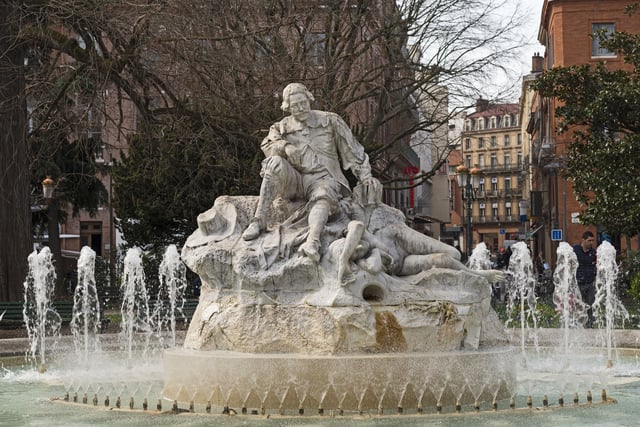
(586, 273)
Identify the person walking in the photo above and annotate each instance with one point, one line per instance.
(586, 273)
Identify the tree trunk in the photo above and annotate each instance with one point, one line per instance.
(15, 213)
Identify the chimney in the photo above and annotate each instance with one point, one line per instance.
(537, 63)
(481, 105)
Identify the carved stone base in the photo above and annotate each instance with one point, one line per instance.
(253, 322)
(350, 382)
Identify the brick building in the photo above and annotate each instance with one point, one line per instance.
(565, 32)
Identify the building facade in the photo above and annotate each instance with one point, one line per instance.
(492, 141)
(566, 30)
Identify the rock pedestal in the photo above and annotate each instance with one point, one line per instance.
(263, 305)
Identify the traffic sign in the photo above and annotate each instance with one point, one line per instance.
(503, 231)
(556, 234)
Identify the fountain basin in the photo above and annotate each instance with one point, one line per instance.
(350, 382)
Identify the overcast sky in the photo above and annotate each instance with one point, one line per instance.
(507, 87)
(532, 9)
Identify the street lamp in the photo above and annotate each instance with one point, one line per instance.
(47, 188)
(469, 180)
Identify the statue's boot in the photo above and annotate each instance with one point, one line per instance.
(311, 249)
(253, 230)
(318, 216)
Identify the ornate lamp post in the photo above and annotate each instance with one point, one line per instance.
(469, 180)
(48, 188)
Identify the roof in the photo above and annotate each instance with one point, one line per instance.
(496, 110)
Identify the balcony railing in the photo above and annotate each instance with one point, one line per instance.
(500, 219)
(511, 192)
(542, 150)
(502, 168)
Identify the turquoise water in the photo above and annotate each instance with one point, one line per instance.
(27, 399)
(29, 404)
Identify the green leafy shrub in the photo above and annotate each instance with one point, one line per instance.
(630, 276)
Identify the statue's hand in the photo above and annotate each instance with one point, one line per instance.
(274, 147)
(371, 193)
(371, 181)
(293, 154)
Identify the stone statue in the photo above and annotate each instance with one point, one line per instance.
(311, 266)
(304, 151)
(393, 247)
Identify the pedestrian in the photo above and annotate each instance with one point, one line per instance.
(586, 273)
(507, 256)
(501, 261)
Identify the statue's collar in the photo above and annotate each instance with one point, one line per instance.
(316, 119)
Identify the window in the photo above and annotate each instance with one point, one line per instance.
(492, 122)
(519, 158)
(494, 184)
(507, 183)
(494, 210)
(467, 143)
(598, 29)
(507, 208)
(519, 139)
(507, 141)
(480, 122)
(482, 210)
(481, 142)
(481, 160)
(494, 160)
(507, 159)
(467, 125)
(507, 121)
(481, 186)
(315, 44)
(93, 119)
(467, 161)
(493, 141)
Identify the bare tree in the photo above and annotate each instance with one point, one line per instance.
(225, 62)
(209, 74)
(376, 62)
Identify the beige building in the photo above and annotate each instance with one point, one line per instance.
(492, 141)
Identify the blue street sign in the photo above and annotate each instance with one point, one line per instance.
(556, 234)
(503, 231)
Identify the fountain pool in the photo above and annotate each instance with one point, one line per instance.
(561, 385)
(29, 398)
(26, 400)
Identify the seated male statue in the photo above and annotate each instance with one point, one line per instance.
(305, 153)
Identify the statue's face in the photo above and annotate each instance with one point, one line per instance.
(299, 106)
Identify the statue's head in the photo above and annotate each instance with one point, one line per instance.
(292, 89)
